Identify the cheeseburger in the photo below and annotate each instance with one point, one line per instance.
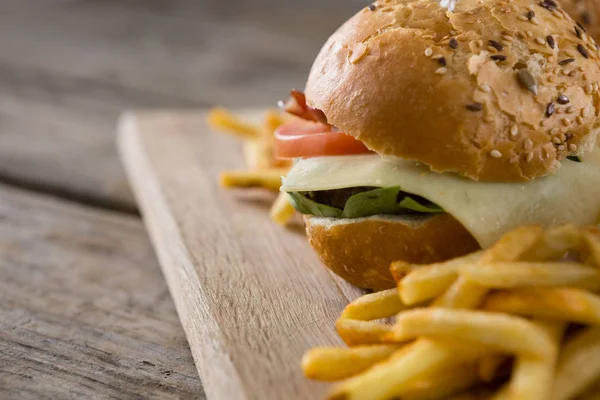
(425, 133)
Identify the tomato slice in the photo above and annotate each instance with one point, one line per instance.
(300, 138)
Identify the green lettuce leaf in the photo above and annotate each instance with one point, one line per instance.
(389, 200)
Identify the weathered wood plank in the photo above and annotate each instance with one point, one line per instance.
(84, 309)
(252, 296)
(68, 68)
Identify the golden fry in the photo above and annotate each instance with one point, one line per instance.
(394, 376)
(565, 304)
(221, 119)
(591, 238)
(514, 244)
(355, 332)
(483, 328)
(439, 384)
(532, 377)
(282, 210)
(425, 283)
(373, 306)
(334, 363)
(578, 365)
(489, 368)
(268, 179)
(462, 294)
(554, 244)
(512, 274)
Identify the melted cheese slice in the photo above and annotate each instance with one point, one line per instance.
(486, 209)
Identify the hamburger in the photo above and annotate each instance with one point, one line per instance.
(425, 133)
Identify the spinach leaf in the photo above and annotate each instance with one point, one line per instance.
(391, 200)
(308, 206)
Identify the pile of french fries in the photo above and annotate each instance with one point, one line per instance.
(520, 320)
(263, 169)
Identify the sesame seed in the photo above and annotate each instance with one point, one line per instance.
(372, 7)
(585, 76)
(527, 80)
(453, 43)
(589, 88)
(573, 147)
(514, 130)
(475, 106)
(560, 110)
(578, 32)
(496, 45)
(522, 18)
(479, 42)
(495, 153)
(428, 51)
(506, 42)
(507, 37)
(572, 73)
(566, 121)
(557, 14)
(498, 57)
(550, 108)
(570, 109)
(488, 118)
(535, 21)
(528, 144)
(551, 78)
(530, 14)
(441, 71)
(564, 72)
(570, 53)
(579, 120)
(453, 32)
(554, 131)
(529, 34)
(583, 51)
(549, 4)
(566, 61)
(485, 88)
(529, 157)
(442, 61)
(492, 49)
(556, 140)
(561, 148)
(562, 99)
(540, 41)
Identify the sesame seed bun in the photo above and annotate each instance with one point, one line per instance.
(494, 91)
(586, 12)
(360, 250)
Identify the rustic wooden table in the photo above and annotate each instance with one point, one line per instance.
(84, 310)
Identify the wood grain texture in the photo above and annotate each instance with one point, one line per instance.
(251, 295)
(68, 68)
(84, 309)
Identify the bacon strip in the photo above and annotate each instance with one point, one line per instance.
(296, 105)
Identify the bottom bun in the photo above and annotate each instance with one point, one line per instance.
(360, 250)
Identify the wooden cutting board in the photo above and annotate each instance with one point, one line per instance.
(251, 295)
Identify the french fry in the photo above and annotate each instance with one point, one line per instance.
(334, 363)
(441, 384)
(425, 283)
(554, 243)
(221, 119)
(533, 376)
(490, 367)
(513, 244)
(282, 210)
(383, 304)
(462, 294)
(397, 373)
(512, 274)
(578, 365)
(565, 304)
(591, 238)
(268, 179)
(483, 328)
(355, 332)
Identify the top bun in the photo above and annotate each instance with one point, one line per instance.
(494, 91)
(586, 12)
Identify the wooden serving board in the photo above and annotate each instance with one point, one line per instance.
(251, 295)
